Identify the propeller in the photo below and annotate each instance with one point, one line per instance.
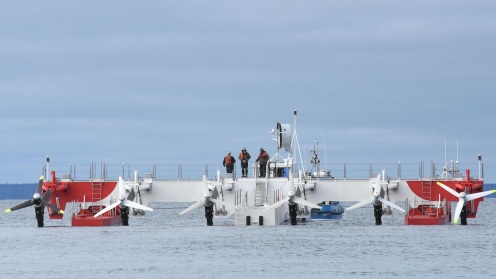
(207, 199)
(123, 201)
(463, 198)
(37, 200)
(292, 198)
(376, 198)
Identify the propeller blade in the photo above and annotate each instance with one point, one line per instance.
(45, 203)
(132, 204)
(131, 195)
(38, 187)
(205, 184)
(19, 206)
(112, 206)
(393, 205)
(451, 191)
(298, 193)
(277, 204)
(47, 196)
(376, 187)
(474, 196)
(362, 203)
(193, 207)
(122, 187)
(206, 199)
(215, 194)
(458, 210)
(305, 202)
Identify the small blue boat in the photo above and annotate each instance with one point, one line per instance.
(327, 211)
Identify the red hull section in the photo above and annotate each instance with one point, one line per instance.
(85, 219)
(429, 190)
(428, 216)
(79, 191)
(76, 191)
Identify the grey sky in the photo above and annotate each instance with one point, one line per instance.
(186, 81)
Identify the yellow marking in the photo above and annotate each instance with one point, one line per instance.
(42, 177)
(7, 210)
(439, 183)
(456, 220)
(61, 211)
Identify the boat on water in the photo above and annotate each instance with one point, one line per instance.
(328, 211)
(285, 195)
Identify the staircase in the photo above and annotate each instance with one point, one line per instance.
(260, 193)
(240, 214)
(96, 195)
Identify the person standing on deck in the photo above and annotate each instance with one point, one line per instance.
(244, 156)
(263, 157)
(229, 162)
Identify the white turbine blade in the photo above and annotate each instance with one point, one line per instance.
(193, 207)
(277, 204)
(393, 205)
(107, 208)
(451, 191)
(135, 205)
(458, 210)
(122, 187)
(205, 184)
(305, 202)
(474, 196)
(362, 203)
(377, 186)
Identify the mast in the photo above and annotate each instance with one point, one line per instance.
(47, 167)
(481, 169)
(295, 140)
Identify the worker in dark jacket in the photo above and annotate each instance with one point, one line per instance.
(244, 156)
(229, 162)
(262, 159)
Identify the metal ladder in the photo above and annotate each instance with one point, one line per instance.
(426, 194)
(96, 195)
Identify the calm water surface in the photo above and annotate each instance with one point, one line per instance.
(163, 244)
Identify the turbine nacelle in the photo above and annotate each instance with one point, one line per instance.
(292, 198)
(376, 198)
(207, 200)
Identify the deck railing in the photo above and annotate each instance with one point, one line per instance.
(338, 171)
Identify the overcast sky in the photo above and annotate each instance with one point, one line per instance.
(185, 81)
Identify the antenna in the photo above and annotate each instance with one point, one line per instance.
(445, 162)
(481, 174)
(445, 171)
(457, 151)
(47, 167)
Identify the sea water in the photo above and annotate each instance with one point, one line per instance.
(163, 244)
